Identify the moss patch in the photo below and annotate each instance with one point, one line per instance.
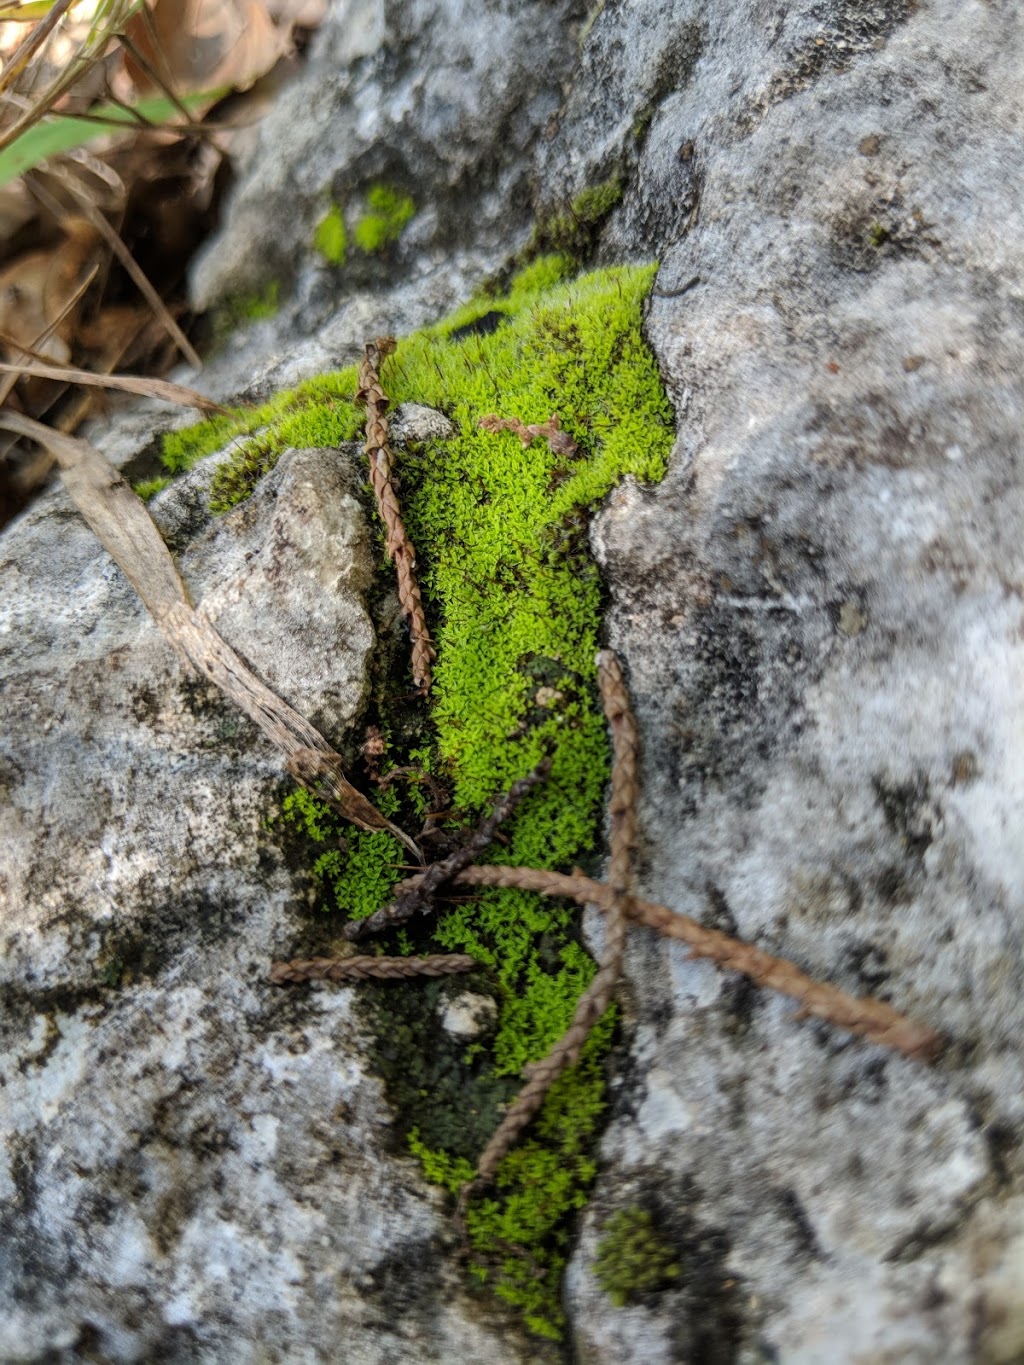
(236, 311)
(319, 412)
(514, 601)
(149, 488)
(388, 213)
(632, 1259)
(330, 238)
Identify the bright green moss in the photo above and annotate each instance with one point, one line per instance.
(514, 601)
(320, 412)
(185, 448)
(388, 214)
(149, 488)
(262, 304)
(631, 1257)
(330, 238)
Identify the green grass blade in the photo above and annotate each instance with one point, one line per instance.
(53, 136)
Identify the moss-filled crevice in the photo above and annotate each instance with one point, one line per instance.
(514, 601)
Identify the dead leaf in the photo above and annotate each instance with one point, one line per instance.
(194, 45)
(35, 288)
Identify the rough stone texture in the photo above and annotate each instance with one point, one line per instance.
(440, 99)
(820, 609)
(187, 1149)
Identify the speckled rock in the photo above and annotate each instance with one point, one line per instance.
(187, 1148)
(439, 99)
(821, 612)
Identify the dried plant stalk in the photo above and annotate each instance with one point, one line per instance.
(598, 995)
(872, 1019)
(399, 546)
(369, 968)
(415, 894)
(126, 383)
(321, 772)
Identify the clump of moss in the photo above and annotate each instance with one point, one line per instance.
(234, 480)
(575, 231)
(632, 1259)
(320, 412)
(149, 488)
(389, 212)
(514, 600)
(878, 235)
(185, 448)
(330, 238)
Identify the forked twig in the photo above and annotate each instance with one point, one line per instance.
(416, 894)
(399, 546)
(369, 968)
(872, 1019)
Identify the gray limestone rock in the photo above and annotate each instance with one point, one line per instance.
(438, 98)
(820, 607)
(187, 1148)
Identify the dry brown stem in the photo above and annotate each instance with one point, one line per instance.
(399, 546)
(559, 441)
(872, 1019)
(368, 968)
(416, 894)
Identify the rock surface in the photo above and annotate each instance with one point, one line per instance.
(187, 1147)
(820, 609)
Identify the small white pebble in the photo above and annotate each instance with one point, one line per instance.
(467, 1016)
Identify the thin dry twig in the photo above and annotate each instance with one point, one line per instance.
(369, 968)
(872, 1019)
(559, 441)
(415, 895)
(598, 995)
(399, 546)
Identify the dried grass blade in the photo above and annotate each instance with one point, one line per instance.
(127, 383)
(126, 258)
(31, 44)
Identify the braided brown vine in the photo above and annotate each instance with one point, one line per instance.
(399, 546)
